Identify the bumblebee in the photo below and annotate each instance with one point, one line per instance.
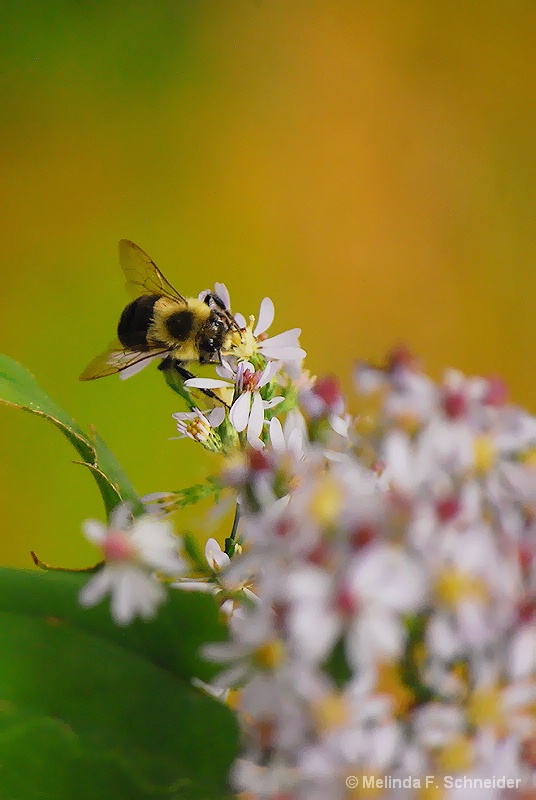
(160, 322)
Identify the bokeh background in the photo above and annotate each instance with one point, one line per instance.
(370, 166)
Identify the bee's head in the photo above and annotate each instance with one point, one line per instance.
(212, 337)
(218, 330)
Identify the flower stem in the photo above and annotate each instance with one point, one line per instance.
(230, 542)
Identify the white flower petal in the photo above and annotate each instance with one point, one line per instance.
(216, 416)
(275, 401)
(276, 436)
(239, 413)
(94, 530)
(151, 595)
(223, 293)
(121, 603)
(339, 425)
(295, 441)
(96, 588)
(522, 657)
(285, 339)
(268, 373)
(266, 316)
(225, 370)
(281, 352)
(256, 418)
(121, 517)
(313, 631)
(157, 545)
(240, 320)
(216, 558)
(201, 585)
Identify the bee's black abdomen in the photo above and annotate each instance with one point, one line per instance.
(180, 324)
(135, 321)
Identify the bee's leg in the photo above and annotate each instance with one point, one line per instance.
(185, 374)
(222, 308)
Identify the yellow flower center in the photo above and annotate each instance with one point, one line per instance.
(331, 712)
(326, 502)
(270, 655)
(484, 707)
(456, 756)
(435, 791)
(368, 787)
(199, 428)
(389, 682)
(484, 454)
(453, 587)
(244, 345)
(529, 457)
(408, 422)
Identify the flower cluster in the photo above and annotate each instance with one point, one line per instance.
(392, 554)
(395, 562)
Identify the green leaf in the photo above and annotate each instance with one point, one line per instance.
(171, 641)
(91, 710)
(19, 388)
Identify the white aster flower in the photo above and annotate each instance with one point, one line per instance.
(133, 552)
(247, 411)
(282, 347)
(223, 577)
(197, 425)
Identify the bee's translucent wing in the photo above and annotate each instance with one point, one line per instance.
(142, 274)
(116, 359)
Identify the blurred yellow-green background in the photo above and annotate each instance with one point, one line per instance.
(370, 166)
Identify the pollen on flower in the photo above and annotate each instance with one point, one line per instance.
(529, 457)
(460, 671)
(327, 501)
(456, 756)
(198, 428)
(270, 655)
(484, 454)
(435, 791)
(453, 587)
(369, 786)
(331, 712)
(245, 345)
(408, 422)
(484, 707)
(390, 683)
